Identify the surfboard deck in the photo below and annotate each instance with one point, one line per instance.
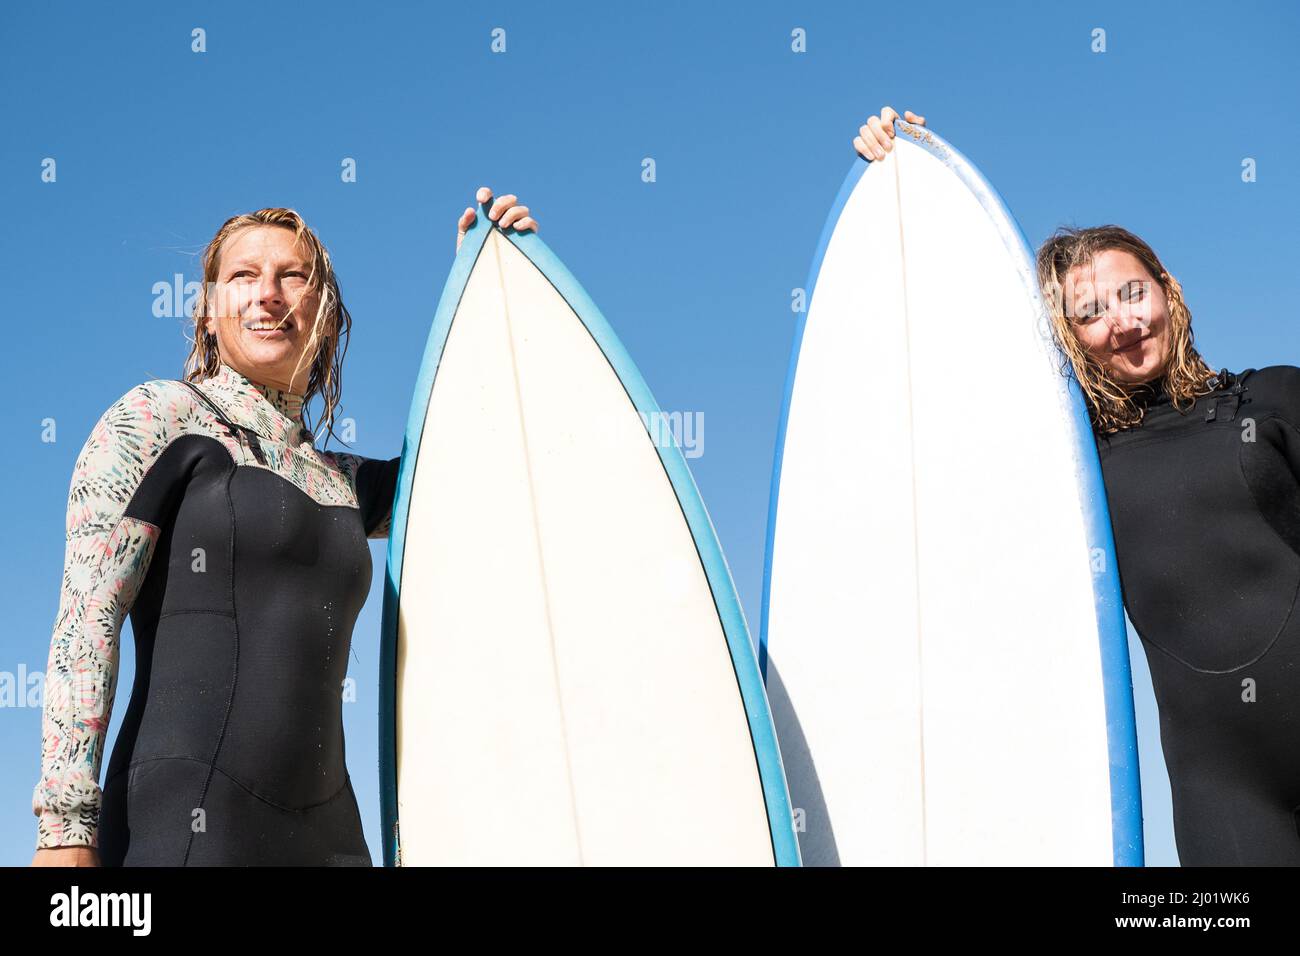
(569, 678)
(943, 635)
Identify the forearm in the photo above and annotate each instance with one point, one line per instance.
(81, 675)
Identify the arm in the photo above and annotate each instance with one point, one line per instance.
(1278, 387)
(106, 558)
(1289, 440)
(374, 480)
(376, 489)
(1271, 463)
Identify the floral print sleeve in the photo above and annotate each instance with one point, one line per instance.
(106, 559)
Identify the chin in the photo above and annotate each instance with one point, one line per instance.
(268, 351)
(1134, 374)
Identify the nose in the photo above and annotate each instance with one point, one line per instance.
(268, 288)
(1128, 321)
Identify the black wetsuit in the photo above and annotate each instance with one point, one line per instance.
(245, 552)
(1205, 506)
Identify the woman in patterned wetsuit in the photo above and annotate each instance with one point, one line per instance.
(202, 508)
(1202, 474)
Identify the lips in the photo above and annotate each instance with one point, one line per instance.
(1132, 346)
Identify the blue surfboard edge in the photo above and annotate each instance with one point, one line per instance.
(828, 229)
(785, 844)
(1121, 724)
(448, 302)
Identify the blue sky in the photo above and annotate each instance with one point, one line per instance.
(156, 146)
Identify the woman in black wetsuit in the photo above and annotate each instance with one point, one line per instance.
(1202, 475)
(202, 508)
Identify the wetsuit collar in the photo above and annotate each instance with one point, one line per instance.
(1150, 393)
(277, 410)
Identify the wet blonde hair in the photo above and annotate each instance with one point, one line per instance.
(330, 328)
(1111, 403)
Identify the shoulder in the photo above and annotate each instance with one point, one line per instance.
(359, 468)
(140, 423)
(156, 403)
(1277, 386)
(1275, 376)
(344, 462)
(374, 481)
(135, 415)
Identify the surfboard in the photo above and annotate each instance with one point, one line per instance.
(568, 678)
(942, 634)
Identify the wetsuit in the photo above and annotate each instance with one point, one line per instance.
(240, 553)
(1205, 506)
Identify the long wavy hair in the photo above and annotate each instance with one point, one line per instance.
(331, 326)
(1111, 403)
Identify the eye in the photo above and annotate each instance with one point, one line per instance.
(1134, 291)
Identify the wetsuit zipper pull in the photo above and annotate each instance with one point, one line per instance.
(254, 444)
(1224, 408)
(239, 432)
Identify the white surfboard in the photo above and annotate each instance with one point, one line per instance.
(948, 668)
(569, 676)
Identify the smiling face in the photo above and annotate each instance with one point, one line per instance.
(1119, 313)
(262, 308)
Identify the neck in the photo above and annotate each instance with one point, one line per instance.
(1150, 392)
(287, 403)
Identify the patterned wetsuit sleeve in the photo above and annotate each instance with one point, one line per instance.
(106, 558)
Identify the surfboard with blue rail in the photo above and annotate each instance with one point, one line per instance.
(943, 634)
(567, 674)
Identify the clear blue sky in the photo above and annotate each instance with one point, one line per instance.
(157, 145)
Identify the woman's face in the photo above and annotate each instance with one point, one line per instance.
(262, 281)
(1119, 313)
